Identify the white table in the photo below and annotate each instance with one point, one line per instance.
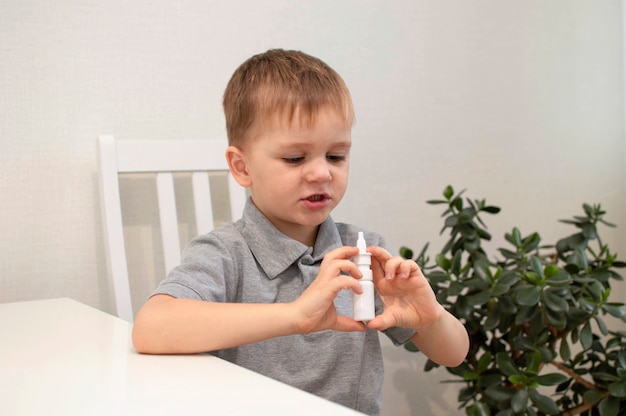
(62, 357)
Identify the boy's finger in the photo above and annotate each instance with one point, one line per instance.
(343, 268)
(344, 252)
(379, 258)
(379, 253)
(381, 322)
(346, 324)
(392, 268)
(348, 283)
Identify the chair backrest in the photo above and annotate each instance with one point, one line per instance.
(163, 158)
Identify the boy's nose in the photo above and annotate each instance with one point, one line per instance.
(317, 171)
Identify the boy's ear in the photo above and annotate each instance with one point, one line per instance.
(237, 164)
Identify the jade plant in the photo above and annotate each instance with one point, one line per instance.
(534, 313)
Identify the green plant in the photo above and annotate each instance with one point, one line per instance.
(539, 344)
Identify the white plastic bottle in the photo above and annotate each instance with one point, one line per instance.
(363, 304)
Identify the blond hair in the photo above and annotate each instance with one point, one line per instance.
(282, 82)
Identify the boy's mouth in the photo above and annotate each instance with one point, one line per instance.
(316, 202)
(316, 198)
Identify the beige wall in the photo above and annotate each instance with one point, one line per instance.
(520, 102)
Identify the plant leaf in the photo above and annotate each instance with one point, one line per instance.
(455, 288)
(519, 401)
(561, 277)
(524, 314)
(455, 267)
(457, 203)
(493, 319)
(555, 302)
(508, 253)
(406, 253)
(436, 201)
(409, 346)
(551, 379)
(544, 403)
(593, 396)
(478, 298)
(506, 364)
(499, 289)
(478, 409)
(442, 261)
(491, 209)
(618, 389)
(556, 319)
(534, 362)
(564, 350)
(528, 295)
(517, 237)
(589, 231)
(609, 406)
(499, 393)
(606, 377)
(595, 289)
(621, 357)
(614, 309)
(586, 337)
(484, 362)
(536, 265)
(601, 325)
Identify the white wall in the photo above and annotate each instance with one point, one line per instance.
(520, 102)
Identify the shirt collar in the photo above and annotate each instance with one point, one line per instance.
(274, 251)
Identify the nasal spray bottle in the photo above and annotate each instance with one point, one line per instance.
(363, 304)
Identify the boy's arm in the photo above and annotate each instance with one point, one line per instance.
(168, 325)
(445, 342)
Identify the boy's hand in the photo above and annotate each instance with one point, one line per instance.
(315, 308)
(406, 294)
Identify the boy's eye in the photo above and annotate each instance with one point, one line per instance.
(336, 158)
(294, 160)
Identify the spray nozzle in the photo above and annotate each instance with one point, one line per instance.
(363, 258)
(360, 243)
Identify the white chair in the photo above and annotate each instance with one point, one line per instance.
(162, 157)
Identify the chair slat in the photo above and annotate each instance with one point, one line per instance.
(237, 196)
(169, 220)
(202, 202)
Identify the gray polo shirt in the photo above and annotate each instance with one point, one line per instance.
(251, 261)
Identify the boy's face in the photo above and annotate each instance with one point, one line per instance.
(298, 173)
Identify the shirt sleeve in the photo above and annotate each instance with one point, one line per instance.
(207, 272)
(398, 335)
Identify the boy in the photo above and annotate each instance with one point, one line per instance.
(267, 292)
